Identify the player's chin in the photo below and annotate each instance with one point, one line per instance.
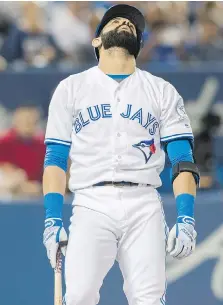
(127, 35)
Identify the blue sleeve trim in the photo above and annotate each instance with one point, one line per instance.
(179, 151)
(57, 141)
(53, 204)
(57, 155)
(177, 136)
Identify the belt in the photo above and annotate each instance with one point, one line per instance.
(117, 184)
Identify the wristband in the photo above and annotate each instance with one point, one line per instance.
(186, 220)
(53, 204)
(53, 222)
(185, 205)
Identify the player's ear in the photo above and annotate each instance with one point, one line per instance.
(96, 42)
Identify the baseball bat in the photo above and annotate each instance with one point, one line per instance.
(58, 293)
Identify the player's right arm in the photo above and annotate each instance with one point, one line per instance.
(58, 142)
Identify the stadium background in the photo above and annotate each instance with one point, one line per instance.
(42, 43)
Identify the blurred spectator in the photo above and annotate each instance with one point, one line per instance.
(168, 26)
(212, 10)
(28, 41)
(21, 154)
(11, 10)
(209, 42)
(4, 28)
(204, 149)
(5, 24)
(70, 26)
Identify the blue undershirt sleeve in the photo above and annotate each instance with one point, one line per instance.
(179, 150)
(57, 155)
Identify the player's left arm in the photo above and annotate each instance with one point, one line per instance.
(185, 178)
(177, 138)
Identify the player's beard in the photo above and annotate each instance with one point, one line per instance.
(120, 39)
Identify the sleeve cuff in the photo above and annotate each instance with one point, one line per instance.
(57, 141)
(177, 136)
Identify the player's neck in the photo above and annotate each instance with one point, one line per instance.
(116, 62)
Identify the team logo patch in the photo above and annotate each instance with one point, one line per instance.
(182, 115)
(147, 147)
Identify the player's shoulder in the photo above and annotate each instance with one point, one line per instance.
(156, 82)
(77, 78)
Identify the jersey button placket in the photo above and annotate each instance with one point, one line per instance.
(117, 133)
(117, 94)
(114, 154)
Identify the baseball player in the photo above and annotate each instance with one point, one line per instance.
(116, 122)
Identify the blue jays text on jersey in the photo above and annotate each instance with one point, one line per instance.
(101, 111)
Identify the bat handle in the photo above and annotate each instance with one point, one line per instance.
(63, 243)
(58, 293)
(58, 268)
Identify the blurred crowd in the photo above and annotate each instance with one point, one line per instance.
(40, 34)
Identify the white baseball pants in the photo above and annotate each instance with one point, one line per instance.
(116, 223)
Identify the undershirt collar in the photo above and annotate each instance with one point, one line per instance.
(118, 77)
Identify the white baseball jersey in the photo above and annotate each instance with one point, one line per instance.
(115, 129)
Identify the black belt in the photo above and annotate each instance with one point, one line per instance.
(118, 184)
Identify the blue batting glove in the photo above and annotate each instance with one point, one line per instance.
(182, 238)
(53, 234)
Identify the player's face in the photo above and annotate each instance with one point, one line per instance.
(122, 24)
(25, 121)
(120, 32)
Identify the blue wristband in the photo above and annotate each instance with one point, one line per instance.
(53, 204)
(185, 205)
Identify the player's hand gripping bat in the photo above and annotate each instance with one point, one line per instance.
(58, 293)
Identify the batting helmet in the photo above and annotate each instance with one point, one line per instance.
(125, 11)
